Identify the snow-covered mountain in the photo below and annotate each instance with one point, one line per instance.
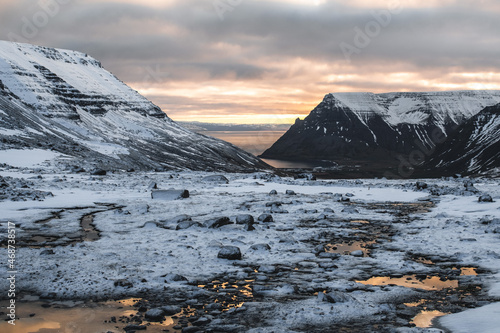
(378, 130)
(473, 148)
(65, 101)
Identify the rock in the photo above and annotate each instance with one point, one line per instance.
(230, 253)
(77, 169)
(152, 186)
(357, 253)
(333, 297)
(171, 310)
(123, 283)
(156, 314)
(260, 247)
(421, 185)
(290, 192)
(273, 192)
(266, 218)
(274, 204)
(216, 179)
(175, 278)
(191, 329)
(217, 222)
(244, 219)
(485, 198)
(350, 210)
(130, 170)
(249, 227)
(328, 210)
(98, 172)
(187, 224)
(47, 252)
(201, 321)
(308, 176)
(130, 328)
(169, 194)
(267, 269)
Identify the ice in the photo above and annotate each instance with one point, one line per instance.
(484, 319)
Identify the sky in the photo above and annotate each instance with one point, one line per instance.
(255, 61)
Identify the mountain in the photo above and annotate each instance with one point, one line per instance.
(379, 132)
(473, 148)
(65, 101)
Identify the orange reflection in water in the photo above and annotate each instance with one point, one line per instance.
(411, 281)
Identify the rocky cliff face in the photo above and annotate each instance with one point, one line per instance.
(473, 148)
(65, 101)
(378, 131)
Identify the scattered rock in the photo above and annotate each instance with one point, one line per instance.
(216, 179)
(130, 328)
(191, 329)
(230, 253)
(169, 194)
(421, 185)
(350, 210)
(201, 321)
(244, 219)
(152, 186)
(485, 198)
(308, 176)
(123, 283)
(47, 252)
(249, 227)
(273, 192)
(357, 253)
(157, 314)
(217, 222)
(171, 310)
(175, 278)
(187, 224)
(260, 247)
(290, 192)
(267, 269)
(266, 218)
(333, 297)
(98, 172)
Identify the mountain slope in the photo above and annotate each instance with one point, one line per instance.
(473, 148)
(65, 101)
(377, 131)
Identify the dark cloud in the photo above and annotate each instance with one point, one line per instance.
(275, 43)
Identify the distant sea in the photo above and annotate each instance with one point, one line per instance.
(256, 142)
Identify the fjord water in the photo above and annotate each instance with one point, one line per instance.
(256, 142)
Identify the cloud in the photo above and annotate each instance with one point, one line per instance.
(287, 53)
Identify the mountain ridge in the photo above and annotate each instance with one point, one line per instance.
(73, 105)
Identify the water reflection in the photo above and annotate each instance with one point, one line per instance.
(424, 318)
(411, 281)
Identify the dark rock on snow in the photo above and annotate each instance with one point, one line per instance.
(169, 194)
(230, 253)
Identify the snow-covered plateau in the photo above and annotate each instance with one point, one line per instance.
(248, 252)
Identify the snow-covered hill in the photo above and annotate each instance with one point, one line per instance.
(379, 130)
(65, 101)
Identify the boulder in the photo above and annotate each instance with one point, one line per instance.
(187, 224)
(273, 192)
(156, 314)
(169, 194)
(230, 253)
(217, 222)
(244, 219)
(98, 172)
(265, 218)
(421, 185)
(485, 198)
(216, 179)
(171, 310)
(290, 192)
(260, 247)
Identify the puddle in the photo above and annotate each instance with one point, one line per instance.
(231, 295)
(425, 261)
(347, 247)
(111, 316)
(88, 232)
(360, 221)
(411, 281)
(468, 271)
(424, 318)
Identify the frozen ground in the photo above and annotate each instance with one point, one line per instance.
(346, 256)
